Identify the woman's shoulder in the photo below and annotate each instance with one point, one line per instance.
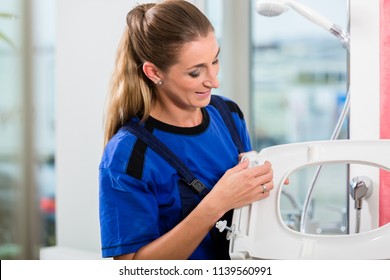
(231, 105)
(118, 150)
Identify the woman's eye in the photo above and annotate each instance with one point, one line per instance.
(194, 74)
(216, 61)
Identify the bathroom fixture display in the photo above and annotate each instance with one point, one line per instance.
(260, 232)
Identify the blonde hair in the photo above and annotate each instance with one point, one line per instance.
(154, 33)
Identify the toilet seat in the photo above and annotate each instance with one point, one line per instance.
(260, 231)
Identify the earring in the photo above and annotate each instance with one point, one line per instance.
(159, 83)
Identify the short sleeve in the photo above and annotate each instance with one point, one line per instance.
(128, 213)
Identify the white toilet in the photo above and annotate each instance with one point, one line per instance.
(260, 232)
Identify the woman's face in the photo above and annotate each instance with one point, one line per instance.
(187, 84)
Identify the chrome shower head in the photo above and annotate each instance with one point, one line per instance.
(272, 8)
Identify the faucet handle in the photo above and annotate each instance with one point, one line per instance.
(360, 187)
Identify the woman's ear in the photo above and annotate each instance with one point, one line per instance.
(152, 72)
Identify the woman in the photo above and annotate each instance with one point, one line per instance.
(166, 66)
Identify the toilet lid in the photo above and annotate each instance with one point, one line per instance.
(262, 234)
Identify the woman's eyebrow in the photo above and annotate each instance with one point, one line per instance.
(203, 64)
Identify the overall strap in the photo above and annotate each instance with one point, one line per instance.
(150, 140)
(223, 109)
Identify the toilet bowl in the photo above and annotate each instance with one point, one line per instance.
(260, 232)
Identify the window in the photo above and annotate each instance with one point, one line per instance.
(299, 76)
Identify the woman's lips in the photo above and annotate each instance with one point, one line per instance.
(203, 93)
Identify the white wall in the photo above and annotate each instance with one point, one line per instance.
(365, 94)
(88, 35)
(235, 57)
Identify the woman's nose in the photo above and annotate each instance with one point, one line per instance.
(212, 81)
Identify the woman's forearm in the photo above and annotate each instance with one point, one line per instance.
(183, 239)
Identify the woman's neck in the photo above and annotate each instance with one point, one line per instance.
(177, 116)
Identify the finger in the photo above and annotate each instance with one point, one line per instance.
(261, 170)
(241, 166)
(263, 192)
(268, 163)
(241, 155)
(268, 186)
(264, 188)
